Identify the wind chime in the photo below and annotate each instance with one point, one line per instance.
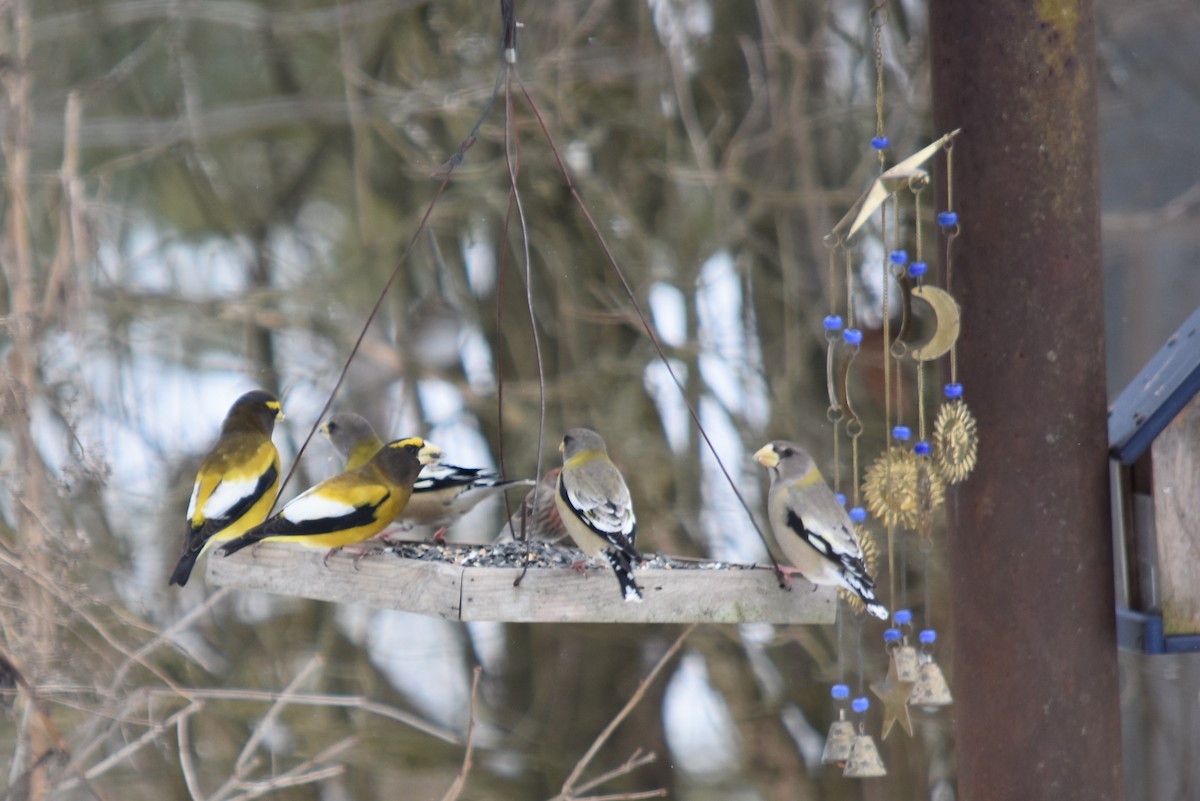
(907, 484)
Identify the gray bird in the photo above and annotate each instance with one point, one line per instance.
(812, 529)
(595, 506)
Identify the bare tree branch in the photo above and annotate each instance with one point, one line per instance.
(568, 788)
(460, 780)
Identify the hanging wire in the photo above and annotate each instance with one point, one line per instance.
(832, 335)
(647, 328)
(951, 235)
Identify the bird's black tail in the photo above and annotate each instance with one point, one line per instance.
(857, 580)
(623, 567)
(183, 570)
(237, 544)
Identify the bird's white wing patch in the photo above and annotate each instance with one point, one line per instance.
(191, 512)
(228, 494)
(311, 506)
(826, 518)
(605, 515)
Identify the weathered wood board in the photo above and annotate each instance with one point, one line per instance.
(546, 595)
(1176, 457)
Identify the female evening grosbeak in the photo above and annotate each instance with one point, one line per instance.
(350, 507)
(812, 529)
(442, 493)
(237, 482)
(595, 506)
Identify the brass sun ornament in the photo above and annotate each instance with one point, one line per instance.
(900, 490)
(955, 441)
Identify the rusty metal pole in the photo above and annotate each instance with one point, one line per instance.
(1033, 630)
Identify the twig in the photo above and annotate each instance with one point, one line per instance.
(634, 796)
(634, 700)
(186, 765)
(123, 753)
(292, 781)
(265, 722)
(316, 699)
(164, 636)
(460, 780)
(302, 773)
(637, 760)
(92, 736)
(67, 252)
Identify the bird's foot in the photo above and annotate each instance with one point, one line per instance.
(439, 536)
(361, 554)
(784, 573)
(328, 554)
(580, 566)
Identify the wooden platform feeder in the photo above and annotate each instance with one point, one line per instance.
(1154, 439)
(445, 587)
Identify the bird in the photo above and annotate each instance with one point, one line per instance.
(539, 513)
(595, 507)
(237, 482)
(352, 437)
(812, 529)
(350, 507)
(442, 494)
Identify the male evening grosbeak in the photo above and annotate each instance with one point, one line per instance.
(442, 493)
(237, 482)
(350, 507)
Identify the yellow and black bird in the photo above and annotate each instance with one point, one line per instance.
(442, 493)
(352, 506)
(237, 482)
(595, 507)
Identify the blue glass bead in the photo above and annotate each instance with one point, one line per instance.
(928, 636)
(860, 704)
(879, 142)
(841, 498)
(840, 692)
(917, 269)
(922, 448)
(947, 219)
(954, 391)
(853, 336)
(833, 323)
(858, 514)
(898, 257)
(903, 617)
(892, 635)
(901, 432)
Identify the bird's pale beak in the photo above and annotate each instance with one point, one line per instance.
(766, 456)
(278, 410)
(430, 454)
(324, 429)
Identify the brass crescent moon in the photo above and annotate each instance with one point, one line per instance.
(948, 322)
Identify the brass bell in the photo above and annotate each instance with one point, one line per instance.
(907, 664)
(864, 761)
(837, 744)
(930, 689)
